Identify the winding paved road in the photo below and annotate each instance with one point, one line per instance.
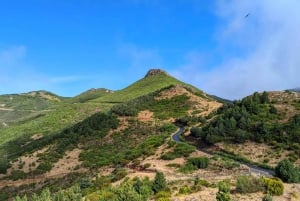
(252, 168)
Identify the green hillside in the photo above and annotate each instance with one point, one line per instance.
(272, 118)
(90, 95)
(84, 147)
(19, 108)
(150, 83)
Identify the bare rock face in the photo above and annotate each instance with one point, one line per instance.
(152, 72)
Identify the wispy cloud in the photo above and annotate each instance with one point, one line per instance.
(260, 51)
(140, 59)
(17, 76)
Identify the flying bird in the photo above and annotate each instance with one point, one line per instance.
(247, 15)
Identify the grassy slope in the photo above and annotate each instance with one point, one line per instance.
(61, 117)
(142, 87)
(89, 95)
(18, 108)
(68, 112)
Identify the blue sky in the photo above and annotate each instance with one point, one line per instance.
(69, 46)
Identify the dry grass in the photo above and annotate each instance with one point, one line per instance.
(256, 152)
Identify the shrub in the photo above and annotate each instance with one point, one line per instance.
(17, 174)
(163, 196)
(248, 184)
(180, 150)
(224, 191)
(267, 198)
(159, 182)
(4, 165)
(199, 162)
(185, 190)
(286, 171)
(118, 174)
(273, 186)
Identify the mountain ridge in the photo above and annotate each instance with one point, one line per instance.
(127, 132)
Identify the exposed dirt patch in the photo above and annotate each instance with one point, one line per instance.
(26, 163)
(43, 95)
(145, 116)
(67, 164)
(36, 136)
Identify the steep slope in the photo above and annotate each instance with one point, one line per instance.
(268, 121)
(112, 139)
(154, 80)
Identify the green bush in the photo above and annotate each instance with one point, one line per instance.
(184, 190)
(180, 150)
(248, 184)
(193, 164)
(273, 186)
(163, 196)
(199, 162)
(286, 171)
(159, 182)
(17, 174)
(267, 198)
(118, 174)
(224, 191)
(4, 165)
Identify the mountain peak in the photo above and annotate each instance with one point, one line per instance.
(152, 72)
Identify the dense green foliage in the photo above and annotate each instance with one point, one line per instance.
(194, 163)
(253, 118)
(287, 171)
(159, 182)
(137, 140)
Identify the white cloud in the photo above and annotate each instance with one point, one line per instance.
(261, 50)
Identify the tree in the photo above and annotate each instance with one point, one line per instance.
(196, 132)
(286, 171)
(159, 182)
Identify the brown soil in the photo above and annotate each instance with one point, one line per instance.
(26, 163)
(68, 164)
(145, 116)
